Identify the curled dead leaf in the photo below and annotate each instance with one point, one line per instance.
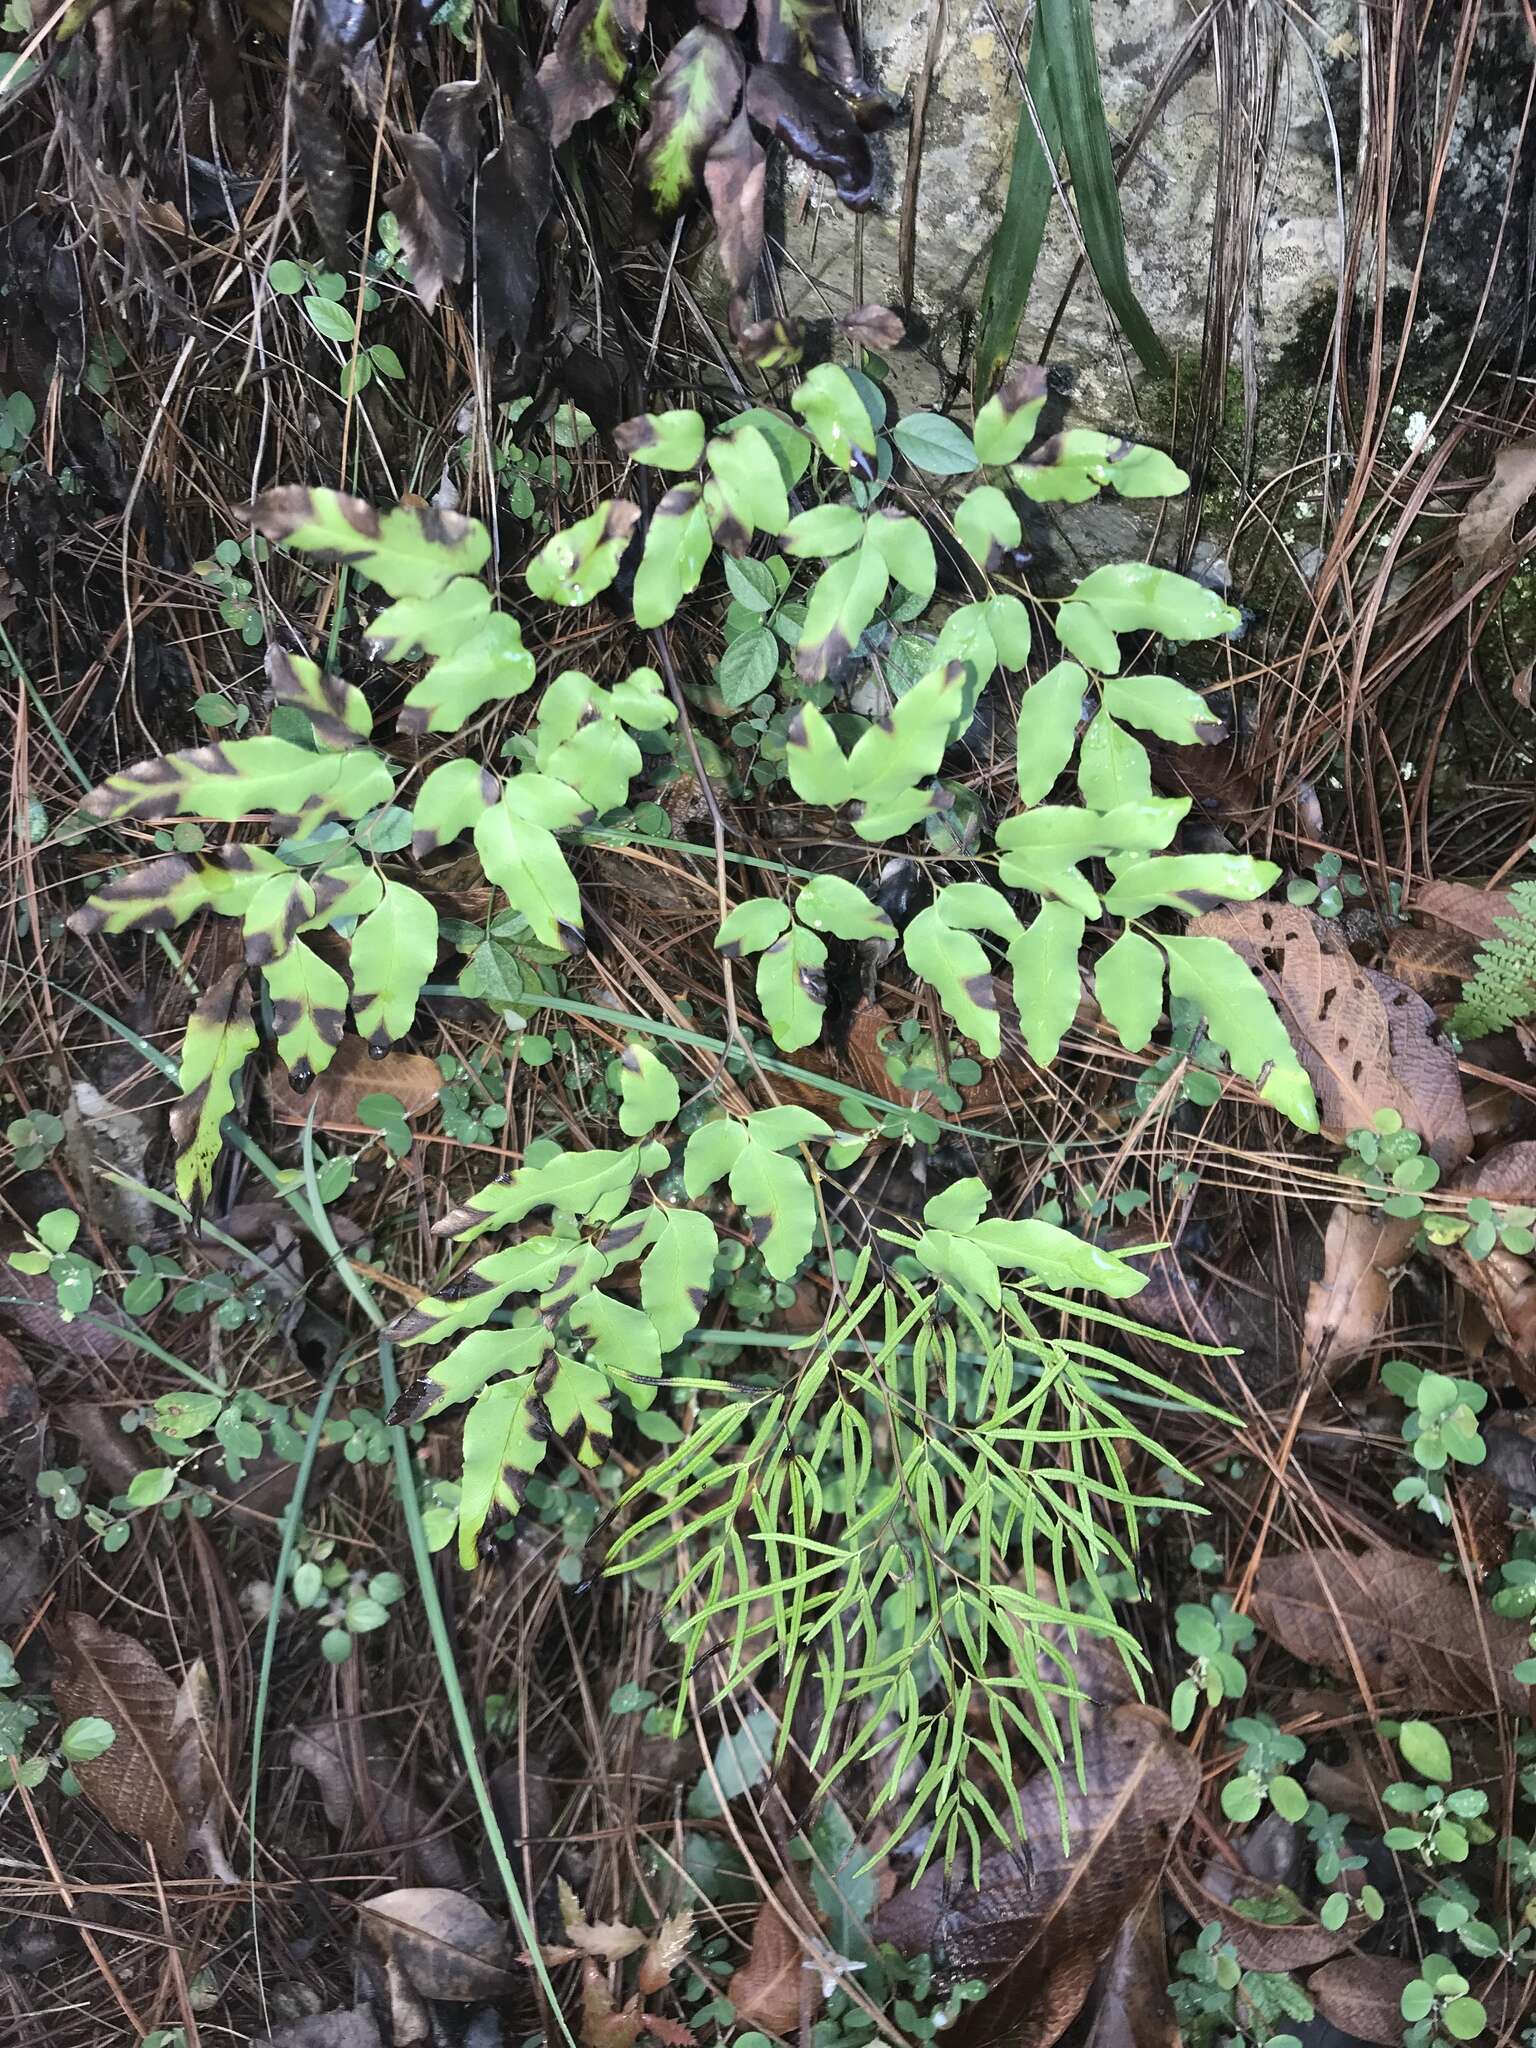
(1485, 532)
(1421, 1642)
(410, 1077)
(771, 1987)
(446, 1945)
(1348, 1306)
(1366, 1042)
(1363, 1997)
(1043, 1919)
(1460, 909)
(1130, 2005)
(1265, 1944)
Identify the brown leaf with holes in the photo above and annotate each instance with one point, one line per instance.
(1044, 1919)
(768, 1988)
(1485, 533)
(1362, 1997)
(1130, 2005)
(1348, 1306)
(1367, 1042)
(410, 1077)
(134, 1785)
(1422, 1643)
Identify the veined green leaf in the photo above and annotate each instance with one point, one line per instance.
(438, 625)
(712, 1150)
(825, 531)
(785, 1125)
(393, 951)
(819, 772)
(675, 1273)
(891, 757)
(1056, 1257)
(1047, 986)
(932, 443)
(791, 988)
(309, 1008)
(522, 1268)
(599, 759)
(959, 1207)
(337, 710)
(221, 1034)
(449, 802)
(1242, 1021)
(546, 800)
(1128, 982)
(830, 903)
(623, 1340)
(578, 563)
(828, 401)
(691, 102)
(1136, 596)
(952, 962)
(677, 547)
(904, 545)
(843, 600)
(987, 527)
(489, 666)
(747, 474)
(525, 860)
(1178, 882)
(464, 1370)
(278, 908)
(648, 1091)
(504, 1437)
(775, 1193)
(158, 895)
(575, 1400)
(409, 552)
(1049, 712)
(1113, 767)
(1006, 423)
(751, 926)
(1008, 624)
(662, 440)
(640, 699)
(1084, 633)
(962, 1262)
(574, 1183)
(232, 778)
(1158, 704)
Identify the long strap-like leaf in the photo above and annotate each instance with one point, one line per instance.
(1016, 245)
(1066, 29)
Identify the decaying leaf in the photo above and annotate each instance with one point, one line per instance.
(1434, 964)
(1503, 1284)
(1457, 908)
(410, 1077)
(1486, 530)
(446, 1945)
(818, 125)
(669, 1944)
(1366, 1042)
(512, 203)
(430, 231)
(770, 1988)
(608, 1939)
(1362, 1997)
(364, 1787)
(323, 162)
(1421, 1642)
(875, 327)
(583, 72)
(1262, 1944)
(734, 177)
(602, 2024)
(1130, 2005)
(221, 1034)
(1348, 1306)
(692, 103)
(134, 1785)
(1044, 1919)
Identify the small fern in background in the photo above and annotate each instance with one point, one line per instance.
(1503, 990)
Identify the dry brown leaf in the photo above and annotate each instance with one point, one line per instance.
(410, 1077)
(767, 1991)
(1131, 2006)
(608, 1939)
(1347, 1307)
(1367, 1042)
(601, 2025)
(364, 1780)
(1417, 1634)
(1459, 910)
(446, 1945)
(1043, 1920)
(1264, 1945)
(876, 327)
(1486, 530)
(1503, 1284)
(1433, 964)
(133, 1786)
(1362, 1997)
(669, 1944)
(672, 2032)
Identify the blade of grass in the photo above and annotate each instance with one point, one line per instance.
(1016, 245)
(1066, 29)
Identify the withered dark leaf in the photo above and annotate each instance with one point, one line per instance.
(511, 206)
(452, 120)
(692, 102)
(875, 327)
(726, 14)
(1130, 2005)
(1265, 1944)
(813, 121)
(361, 1778)
(583, 72)
(134, 1785)
(1043, 1919)
(735, 172)
(447, 1945)
(1420, 1640)
(1362, 1996)
(323, 164)
(430, 231)
(339, 29)
(810, 33)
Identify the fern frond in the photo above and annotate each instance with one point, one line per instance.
(1503, 990)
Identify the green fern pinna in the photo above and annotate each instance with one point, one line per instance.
(900, 1586)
